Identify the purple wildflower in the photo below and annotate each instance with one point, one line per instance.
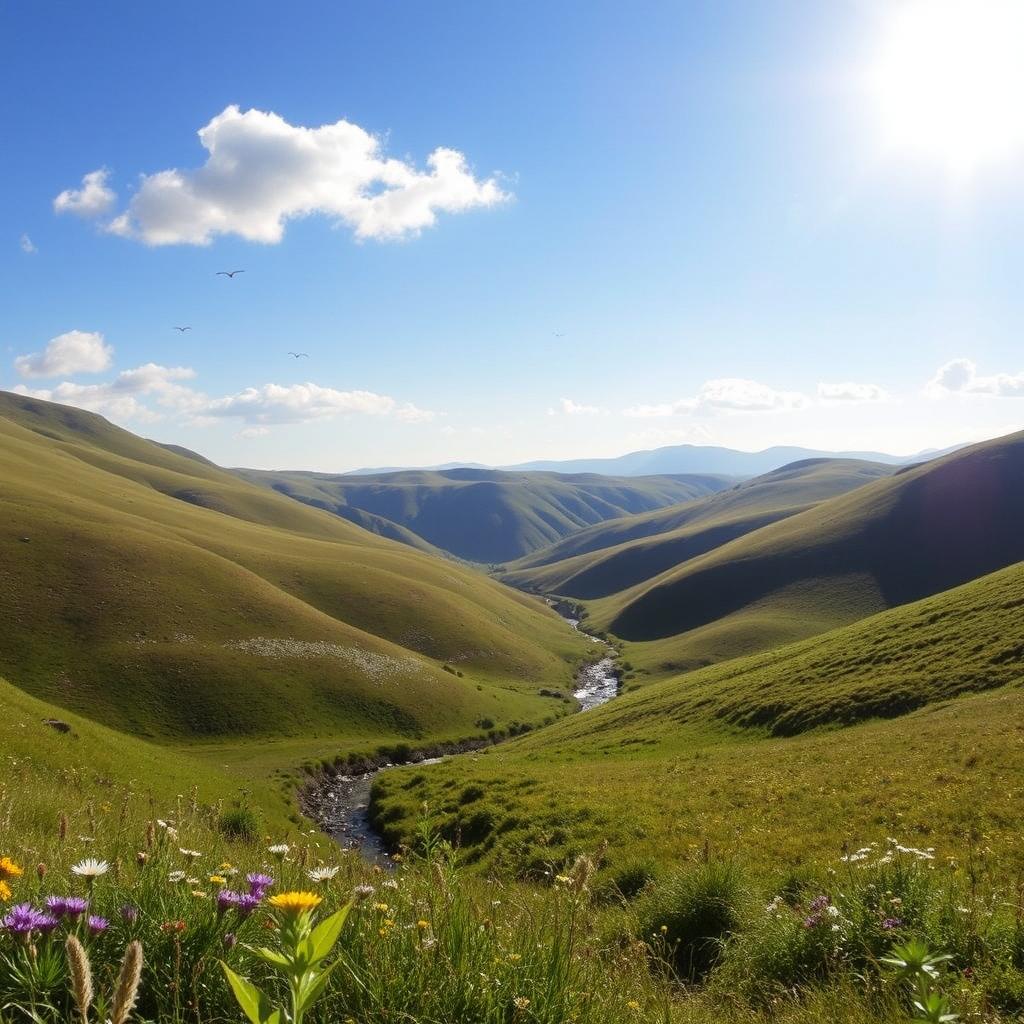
(891, 922)
(813, 921)
(247, 903)
(47, 923)
(23, 919)
(97, 925)
(259, 884)
(129, 914)
(226, 899)
(66, 906)
(230, 940)
(819, 904)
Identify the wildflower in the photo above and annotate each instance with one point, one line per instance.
(812, 921)
(176, 876)
(141, 857)
(90, 868)
(218, 880)
(891, 923)
(521, 1002)
(633, 1005)
(663, 929)
(66, 906)
(230, 940)
(295, 903)
(363, 892)
(514, 958)
(199, 894)
(774, 906)
(321, 874)
(189, 855)
(129, 914)
(97, 925)
(47, 923)
(22, 920)
(259, 884)
(247, 903)
(563, 880)
(5, 891)
(226, 900)
(389, 883)
(279, 850)
(382, 907)
(8, 869)
(175, 927)
(819, 903)
(422, 925)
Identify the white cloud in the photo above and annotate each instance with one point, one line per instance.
(409, 413)
(253, 432)
(567, 407)
(67, 354)
(93, 199)
(261, 172)
(847, 391)
(730, 394)
(297, 403)
(27, 245)
(960, 376)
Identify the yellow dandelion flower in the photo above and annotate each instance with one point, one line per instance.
(382, 907)
(633, 1005)
(5, 891)
(422, 925)
(218, 880)
(8, 869)
(295, 903)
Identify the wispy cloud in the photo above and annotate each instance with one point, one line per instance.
(568, 407)
(961, 377)
(848, 391)
(27, 245)
(67, 354)
(261, 172)
(729, 394)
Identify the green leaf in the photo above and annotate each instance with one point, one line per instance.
(326, 933)
(271, 956)
(255, 1005)
(313, 985)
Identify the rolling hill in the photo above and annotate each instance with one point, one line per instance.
(155, 593)
(905, 724)
(612, 556)
(482, 515)
(921, 531)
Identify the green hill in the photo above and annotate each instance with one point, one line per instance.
(921, 531)
(612, 556)
(482, 515)
(165, 597)
(906, 724)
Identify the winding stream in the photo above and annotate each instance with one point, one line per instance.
(340, 803)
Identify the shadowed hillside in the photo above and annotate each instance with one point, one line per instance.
(612, 556)
(484, 515)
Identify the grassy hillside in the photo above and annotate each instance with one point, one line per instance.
(908, 724)
(921, 531)
(483, 515)
(615, 555)
(158, 594)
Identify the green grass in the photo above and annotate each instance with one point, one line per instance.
(909, 723)
(898, 539)
(155, 593)
(484, 516)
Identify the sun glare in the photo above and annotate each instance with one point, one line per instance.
(949, 81)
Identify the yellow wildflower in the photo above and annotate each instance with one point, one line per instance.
(422, 925)
(295, 903)
(514, 957)
(218, 880)
(8, 869)
(5, 891)
(382, 907)
(633, 1005)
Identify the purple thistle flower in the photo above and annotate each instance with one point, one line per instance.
(226, 899)
(813, 921)
(67, 906)
(23, 919)
(129, 914)
(230, 940)
(55, 905)
(892, 922)
(259, 884)
(47, 923)
(247, 903)
(819, 904)
(97, 925)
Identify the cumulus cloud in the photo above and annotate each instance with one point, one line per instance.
(67, 354)
(93, 199)
(730, 394)
(119, 397)
(848, 391)
(297, 403)
(567, 407)
(27, 245)
(960, 376)
(261, 172)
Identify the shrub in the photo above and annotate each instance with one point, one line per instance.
(240, 823)
(690, 915)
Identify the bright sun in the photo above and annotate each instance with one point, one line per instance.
(949, 81)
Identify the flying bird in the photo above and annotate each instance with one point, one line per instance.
(228, 273)
(299, 355)
(183, 329)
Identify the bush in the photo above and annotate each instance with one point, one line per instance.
(240, 823)
(690, 915)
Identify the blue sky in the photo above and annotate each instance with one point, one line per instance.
(715, 204)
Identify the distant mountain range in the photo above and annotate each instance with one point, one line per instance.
(688, 458)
